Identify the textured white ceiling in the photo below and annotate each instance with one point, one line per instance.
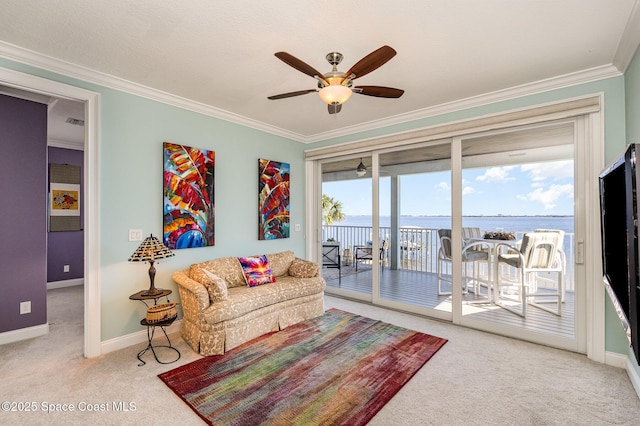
(220, 53)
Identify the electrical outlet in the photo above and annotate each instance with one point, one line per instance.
(135, 234)
(65, 268)
(25, 307)
(296, 227)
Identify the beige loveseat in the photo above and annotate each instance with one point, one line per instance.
(221, 312)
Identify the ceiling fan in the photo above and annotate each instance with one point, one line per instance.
(336, 87)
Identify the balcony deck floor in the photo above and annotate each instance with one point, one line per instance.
(420, 289)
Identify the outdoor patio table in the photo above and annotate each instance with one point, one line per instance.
(493, 262)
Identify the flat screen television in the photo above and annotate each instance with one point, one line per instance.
(619, 231)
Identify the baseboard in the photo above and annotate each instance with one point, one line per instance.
(134, 339)
(622, 361)
(23, 333)
(633, 376)
(65, 283)
(615, 359)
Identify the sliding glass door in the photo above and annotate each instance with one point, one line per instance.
(421, 225)
(347, 226)
(519, 184)
(414, 205)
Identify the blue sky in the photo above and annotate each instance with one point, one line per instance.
(528, 189)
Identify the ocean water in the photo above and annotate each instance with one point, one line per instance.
(485, 223)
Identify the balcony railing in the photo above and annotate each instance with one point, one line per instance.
(418, 247)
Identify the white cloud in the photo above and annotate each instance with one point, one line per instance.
(552, 170)
(468, 190)
(549, 197)
(496, 175)
(443, 186)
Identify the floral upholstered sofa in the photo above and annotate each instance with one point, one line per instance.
(224, 305)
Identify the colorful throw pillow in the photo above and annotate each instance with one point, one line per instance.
(256, 270)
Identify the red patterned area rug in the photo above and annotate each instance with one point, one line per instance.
(339, 368)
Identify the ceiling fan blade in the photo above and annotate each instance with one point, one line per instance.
(303, 67)
(378, 91)
(290, 94)
(334, 108)
(371, 62)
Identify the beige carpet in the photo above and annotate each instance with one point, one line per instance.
(475, 379)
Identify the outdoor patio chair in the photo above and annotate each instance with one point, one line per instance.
(562, 257)
(331, 257)
(473, 253)
(469, 233)
(537, 253)
(366, 253)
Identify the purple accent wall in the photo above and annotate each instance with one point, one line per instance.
(23, 188)
(67, 247)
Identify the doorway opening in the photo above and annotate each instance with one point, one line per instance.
(89, 100)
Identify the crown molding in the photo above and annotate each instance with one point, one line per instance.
(551, 111)
(28, 57)
(567, 80)
(629, 41)
(58, 143)
(39, 60)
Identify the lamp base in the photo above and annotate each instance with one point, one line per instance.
(152, 292)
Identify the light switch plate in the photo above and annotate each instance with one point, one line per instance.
(135, 234)
(296, 227)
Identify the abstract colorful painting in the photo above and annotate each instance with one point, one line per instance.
(273, 189)
(189, 208)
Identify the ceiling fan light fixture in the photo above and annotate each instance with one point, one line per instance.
(361, 170)
(335, 93)
(335, 87)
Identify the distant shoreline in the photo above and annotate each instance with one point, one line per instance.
(510, 223)
(471, 215)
